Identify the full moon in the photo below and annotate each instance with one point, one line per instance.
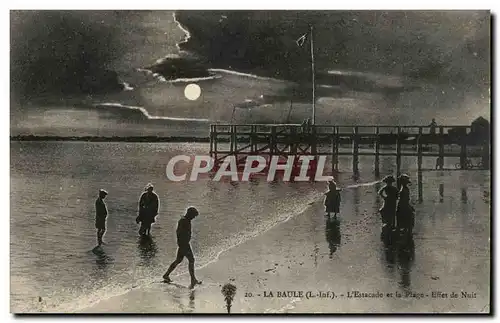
(192, 91)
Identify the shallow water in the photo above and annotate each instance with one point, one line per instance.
(53, 189)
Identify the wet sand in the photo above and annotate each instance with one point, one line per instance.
(310, 254)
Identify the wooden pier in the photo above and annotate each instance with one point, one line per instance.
(462, 142)
(291, 139)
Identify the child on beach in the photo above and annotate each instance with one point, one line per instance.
(332, 199)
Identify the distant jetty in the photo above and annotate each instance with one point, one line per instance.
(110, 139)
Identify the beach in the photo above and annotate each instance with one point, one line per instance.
(451, 254)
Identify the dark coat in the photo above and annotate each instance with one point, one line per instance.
(101, 213)
(148, 207)
(332, 201)
(405, 212)
(388, 210)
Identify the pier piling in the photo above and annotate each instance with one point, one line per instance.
(355, 151)
(291, 139)
(485, 154)
(398, 152)
(419, 165)
(334, 144)
(337, 144)
(441, 148)
(377, 152)
(273, 141)
(463, 151)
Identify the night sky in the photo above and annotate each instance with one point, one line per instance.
(64, 52)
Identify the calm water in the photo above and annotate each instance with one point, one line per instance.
(53, 189)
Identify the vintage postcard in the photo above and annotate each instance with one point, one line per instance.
(264, 162)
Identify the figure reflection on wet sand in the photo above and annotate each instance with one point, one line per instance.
(147, 249)
(406, 257)
(333, 236)
(180, 299)
(463, 197)
(356, 198)
(191, 300)
(102, 259)
(399, 250)
(356, 175)
(441, 193)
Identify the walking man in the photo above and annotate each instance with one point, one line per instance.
(148, 209)
(101, 213)
(184, 248)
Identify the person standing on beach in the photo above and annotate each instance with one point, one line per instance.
(390, 195)
(332, 199)
(405, 213)
(101, 213)
(184, 247)
(148, 209)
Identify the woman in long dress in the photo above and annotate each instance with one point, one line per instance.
(390, 195)
(405, 213)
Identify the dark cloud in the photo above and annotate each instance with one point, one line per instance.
(67, 52)
(63, 52)
(434, 45)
